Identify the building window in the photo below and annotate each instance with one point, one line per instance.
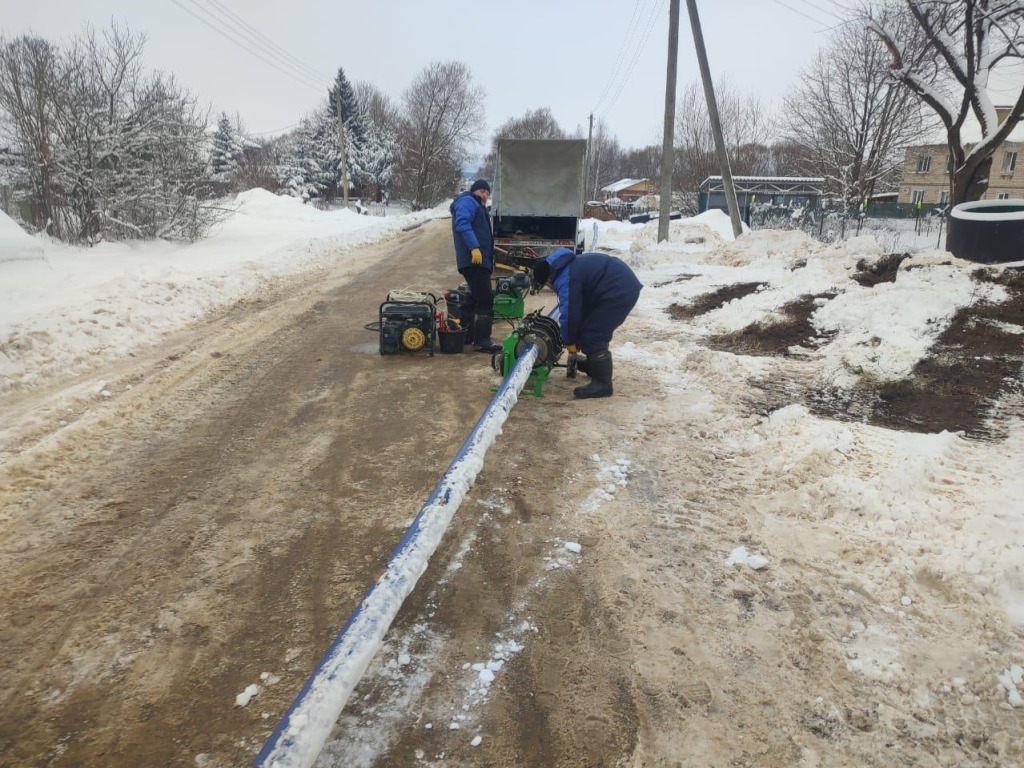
(1003, 195)
(943, 197)
(1010, 162)
(917, 197)
(924, 163)
(949, 163)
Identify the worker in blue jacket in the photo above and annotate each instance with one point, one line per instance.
(596, 292)
(474, 256)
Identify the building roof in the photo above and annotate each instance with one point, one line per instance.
(622, 184)
(773, 179)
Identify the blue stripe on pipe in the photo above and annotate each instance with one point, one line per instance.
(282, 749)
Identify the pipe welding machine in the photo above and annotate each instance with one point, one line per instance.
(545, 333)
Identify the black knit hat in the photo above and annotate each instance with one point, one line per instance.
(480, 184)
(541, 272)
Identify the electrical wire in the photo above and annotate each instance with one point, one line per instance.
(278, 130)
(820, 9)
(301, 65)
(798, 11)
(639, 52)
(220, 32)
(626, 40)
(223, 18)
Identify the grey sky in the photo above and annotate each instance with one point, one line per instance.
(527, 53)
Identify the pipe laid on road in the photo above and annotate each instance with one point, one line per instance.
(306, 726)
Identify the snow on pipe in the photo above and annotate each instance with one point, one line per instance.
(305, 727)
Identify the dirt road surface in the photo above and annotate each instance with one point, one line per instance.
(204, 516)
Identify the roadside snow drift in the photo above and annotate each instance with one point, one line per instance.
(64, 309)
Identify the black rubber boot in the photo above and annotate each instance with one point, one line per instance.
(599, 369)
(583, 365)
(466, 318)
(482, 334)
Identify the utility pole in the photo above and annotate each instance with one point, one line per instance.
(716, 125)
(344, 147)
(668, 139)
(590, 139)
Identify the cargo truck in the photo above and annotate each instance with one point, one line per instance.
(538, 196)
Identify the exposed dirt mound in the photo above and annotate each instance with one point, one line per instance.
(712, 301)
(776, 339)
(681, 279)
(882, 271)
(977, 359)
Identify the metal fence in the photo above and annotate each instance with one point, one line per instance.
(895, 226)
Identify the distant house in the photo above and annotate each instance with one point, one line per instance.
(628, 190)
(925, 174)
(780, 191)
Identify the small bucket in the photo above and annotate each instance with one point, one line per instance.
(451, 342)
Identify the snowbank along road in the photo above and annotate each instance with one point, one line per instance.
(793, 537)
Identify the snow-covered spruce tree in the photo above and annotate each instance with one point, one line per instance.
(964, 40)
(377, 161)
(354, 122)
(301, 174)
(226, 153)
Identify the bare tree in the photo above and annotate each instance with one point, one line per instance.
(605, 157)
(746, 130)
(853, 119)
(964, 40)
(642, 163)
(380, 109)
(443, 115)
(534, 124)
(29, 73)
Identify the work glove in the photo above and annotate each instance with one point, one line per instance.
(478, 256)
(572, 349)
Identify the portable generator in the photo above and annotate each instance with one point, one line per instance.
(408, 325)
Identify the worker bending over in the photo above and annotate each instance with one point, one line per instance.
(596, 293)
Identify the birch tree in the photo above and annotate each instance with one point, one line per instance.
(443, 116)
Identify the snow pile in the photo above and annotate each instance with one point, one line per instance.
(16, 244)
(243, 699)
(939, 504)
(880, 332)
(710, 228)
(885, 330)
(79, 307)
(1011, 681)
(740, 556)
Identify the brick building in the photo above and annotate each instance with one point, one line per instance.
(925, 173)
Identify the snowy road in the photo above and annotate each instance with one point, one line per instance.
(164, 547)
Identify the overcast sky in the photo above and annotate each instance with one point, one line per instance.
(528, 53)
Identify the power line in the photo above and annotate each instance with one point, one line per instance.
(278, 130)
(639, 52)
(301, 65)
(819, 9)
(798, 11)
(626, 40)
(224, 20)
(269, 50)
(318, 88)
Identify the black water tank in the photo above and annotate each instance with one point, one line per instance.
(988, 231)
